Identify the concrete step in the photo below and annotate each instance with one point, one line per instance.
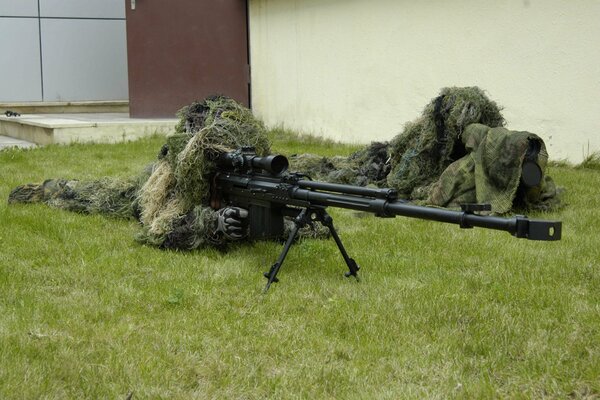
(8, 143)
(46, 129)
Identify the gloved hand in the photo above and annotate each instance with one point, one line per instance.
(230, 222)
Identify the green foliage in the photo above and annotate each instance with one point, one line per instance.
(86, 312)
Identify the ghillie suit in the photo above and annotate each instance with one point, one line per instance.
(415, 158)
(426, 162)
(368, 166)
(171, 198)
(174, 201)
(492, 172)
(104, 196)
(428, 145)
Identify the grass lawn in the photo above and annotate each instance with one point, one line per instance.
(440, 312)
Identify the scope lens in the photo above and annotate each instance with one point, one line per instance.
(279, 164)
(531, 174)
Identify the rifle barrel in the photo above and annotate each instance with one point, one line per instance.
(519, 226)
(381, 202)
(386, 193)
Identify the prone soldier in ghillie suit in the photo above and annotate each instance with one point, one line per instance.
(456, 152)
(171, 197)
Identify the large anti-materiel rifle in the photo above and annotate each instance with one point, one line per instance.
(263, 186)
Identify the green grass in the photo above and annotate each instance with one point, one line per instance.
(289, 142)
(86, 312)
(591, 162)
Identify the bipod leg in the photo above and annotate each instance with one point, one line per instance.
(272, 274)
(352, 265)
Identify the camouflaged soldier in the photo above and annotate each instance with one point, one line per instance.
(170, 198)
(446, 157)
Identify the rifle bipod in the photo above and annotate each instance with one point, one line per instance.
(305, 217)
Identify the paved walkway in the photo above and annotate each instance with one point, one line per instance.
(8, 142)
(79, 120)
(44, 129)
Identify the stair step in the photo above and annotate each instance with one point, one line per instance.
(7, 142)
(46, 129)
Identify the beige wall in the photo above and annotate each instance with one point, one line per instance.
(357, 70)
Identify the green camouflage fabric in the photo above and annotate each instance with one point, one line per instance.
(491, 172)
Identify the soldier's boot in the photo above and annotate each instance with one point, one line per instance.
(38, 193)
(28, 193)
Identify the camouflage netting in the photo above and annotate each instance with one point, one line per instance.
(171, 197)
(491, 172)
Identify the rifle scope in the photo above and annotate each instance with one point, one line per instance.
(245, 162)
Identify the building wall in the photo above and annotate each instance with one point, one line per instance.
(357, 70)
(62, 50)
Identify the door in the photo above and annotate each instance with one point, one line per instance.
(180, 51)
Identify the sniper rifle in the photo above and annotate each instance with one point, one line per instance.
(263, 186)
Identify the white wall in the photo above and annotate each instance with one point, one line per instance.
(357, 70)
